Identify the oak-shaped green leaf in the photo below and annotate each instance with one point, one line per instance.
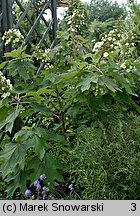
(69, 75)
(17, 53)
(86, 82)
(12, 155)
(23, 134)
(52, 167)
(3, 64)
(3, 113)
(36, 167)
(38, 145)
(48, 166)
(9, 121)
(46, 91)
(4, 102)
(17, 180)
(110, 84)
(40, 108)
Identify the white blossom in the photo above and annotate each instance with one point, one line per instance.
(110, 38)
(105, 54)
(98, 45)
(8, 82)
(6, 94)
(123, 66)
(3, 78)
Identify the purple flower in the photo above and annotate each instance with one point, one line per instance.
(28, 193)
(44, 197)
(71, 187)
(36, 183)
(42, 177)
(44, 189)
(38, 187)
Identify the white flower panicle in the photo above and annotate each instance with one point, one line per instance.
(5, 86)
(97, 46)
(44, 57)
(13, 36)
(117, 41)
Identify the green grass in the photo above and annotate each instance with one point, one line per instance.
(104, 161)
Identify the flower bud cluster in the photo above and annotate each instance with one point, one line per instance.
(106, 40)
(13, 36)
(99, 90)
(44, 57)
(75, 21)
(5, 86)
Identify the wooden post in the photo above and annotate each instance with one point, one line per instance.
(7, 21)
(54, 18)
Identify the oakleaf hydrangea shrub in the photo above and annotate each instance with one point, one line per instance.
(116, 56)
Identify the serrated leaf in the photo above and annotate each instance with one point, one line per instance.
(4, 102)
(16, 53)
(12, 155)
(41, 132)
(9, 121)
(56, 137)
(46, 91)
(18, 180)
(3, 64)
(47, 166)
(23, 73)
(52, 167)
(69, 75)
(3, 113)
(33, 138)
(82, 65)
(18, 67)
(38, 144)
(36, 168)
(34, 94)
(85, 83)
(25, 134)
(41, 108)
(30, 65)
(50, 76)
(110, 84)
